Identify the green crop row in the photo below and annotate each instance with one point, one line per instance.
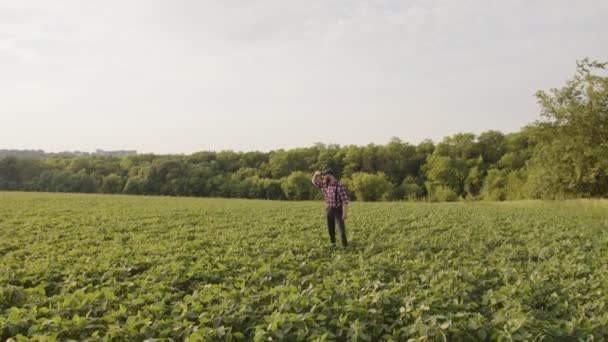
(117, 268)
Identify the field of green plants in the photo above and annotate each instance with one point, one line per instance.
(117, 268)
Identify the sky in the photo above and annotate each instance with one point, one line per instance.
(185, 76)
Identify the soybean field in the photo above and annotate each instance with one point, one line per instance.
(130, 268)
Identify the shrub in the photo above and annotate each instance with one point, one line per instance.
(370, 187)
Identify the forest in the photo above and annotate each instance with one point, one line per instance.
(564, 154)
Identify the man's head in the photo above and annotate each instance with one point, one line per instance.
(328, 175)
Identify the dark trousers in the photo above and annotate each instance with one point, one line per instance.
(335, 215)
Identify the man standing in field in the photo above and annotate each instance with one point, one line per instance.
(336, 200)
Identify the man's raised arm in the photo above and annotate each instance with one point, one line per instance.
(315, 180)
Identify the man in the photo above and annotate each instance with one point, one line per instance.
(336, 200)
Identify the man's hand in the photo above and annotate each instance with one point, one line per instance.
(314, 178)
(345, 212)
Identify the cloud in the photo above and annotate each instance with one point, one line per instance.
(379, 67)
(34, 35)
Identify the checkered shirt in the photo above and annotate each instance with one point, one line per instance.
(335, 194)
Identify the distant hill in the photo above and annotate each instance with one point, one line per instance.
(40, 154)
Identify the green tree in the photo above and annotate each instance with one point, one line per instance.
(112, 184)
(370, 187)
(491, 145)
(297, 186)
(461, 145)
(412, 189)
(494, 185)
(272, 189)
(198, 177)
(353, 160)
(516, 185)
(571, 158)
(282, 163)
(9, 173)
(397, 160)
(445, 173)
(442, 193)
(329, 157)
(474, 181)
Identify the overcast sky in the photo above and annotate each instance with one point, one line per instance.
(182, 76)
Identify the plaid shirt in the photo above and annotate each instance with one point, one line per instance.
(335, 194)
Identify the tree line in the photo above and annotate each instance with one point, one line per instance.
(562, 155)
(40, 154)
